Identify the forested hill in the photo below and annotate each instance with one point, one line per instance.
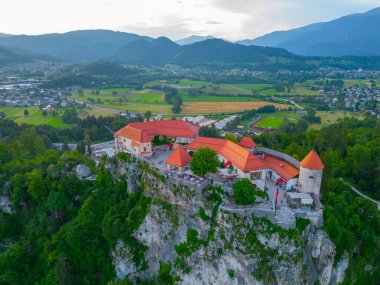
(83, 45)
(8, 57)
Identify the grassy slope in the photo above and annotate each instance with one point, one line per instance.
(35, 116)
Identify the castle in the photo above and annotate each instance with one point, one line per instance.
(247, 159)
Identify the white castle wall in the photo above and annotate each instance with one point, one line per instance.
(310, 180)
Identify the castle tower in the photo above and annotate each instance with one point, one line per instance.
(310, 177)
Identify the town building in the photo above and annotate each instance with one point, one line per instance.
(136, 138)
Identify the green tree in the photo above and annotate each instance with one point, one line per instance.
(26, 112)
(231, 137)
(244, 192)
(204, 160)
(70, 116)
(148, 115)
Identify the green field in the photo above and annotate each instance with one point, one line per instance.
(252, 87)
(35, 116)
(269, 122)
(185, 82)
(126, 99)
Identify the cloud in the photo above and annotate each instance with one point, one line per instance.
(214, 22)
(169, 26)
(230, 19)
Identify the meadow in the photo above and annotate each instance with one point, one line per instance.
(35, 116)
(331, 117)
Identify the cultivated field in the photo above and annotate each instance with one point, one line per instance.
(224, 107)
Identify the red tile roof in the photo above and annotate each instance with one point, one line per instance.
(312, 161)
(179, 157)
(281, 167)
(144, 131)
(239, 156)
(247, 142)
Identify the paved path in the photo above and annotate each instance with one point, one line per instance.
(361, 194)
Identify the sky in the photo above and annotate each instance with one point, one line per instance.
(228, 19)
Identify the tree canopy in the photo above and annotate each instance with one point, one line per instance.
(204, 160)
(244, 192)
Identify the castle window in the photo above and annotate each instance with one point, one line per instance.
(256, 175)
(311, 177)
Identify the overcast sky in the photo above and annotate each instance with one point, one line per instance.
(229, 19)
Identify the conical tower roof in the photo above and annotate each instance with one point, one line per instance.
(312, 161)
(179, 157)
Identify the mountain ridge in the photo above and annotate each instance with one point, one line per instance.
(351, 35)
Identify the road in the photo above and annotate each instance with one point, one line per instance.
(95, 106)
(361, 194)
(292, 102)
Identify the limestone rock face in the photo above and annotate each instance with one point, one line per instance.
(121, 260)
(82, 171)
(319, 256)
(5, 205)
(340, 270)
(234, 249)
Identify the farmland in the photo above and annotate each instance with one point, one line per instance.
(154, 100)
(224, 107)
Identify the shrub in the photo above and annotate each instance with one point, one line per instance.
(244, 192)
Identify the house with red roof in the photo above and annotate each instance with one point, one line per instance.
(179, 158)
(136, 138)
(247, 143)
(244, 162)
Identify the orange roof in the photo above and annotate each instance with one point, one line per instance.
(312, 161)
(247, 142)
(144, 131)
(239, 156)
(281, 167)
(179, 157)
(135, 144)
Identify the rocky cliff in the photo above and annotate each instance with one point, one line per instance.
(202, 244)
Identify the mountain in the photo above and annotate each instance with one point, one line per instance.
(84, 45)
(162, 50)
(155, 51)
(356, 34)
(9, 57)
(216, 50)
(193, 39)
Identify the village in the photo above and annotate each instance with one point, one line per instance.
(19, 92)
(168, 146)
(354, 98)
